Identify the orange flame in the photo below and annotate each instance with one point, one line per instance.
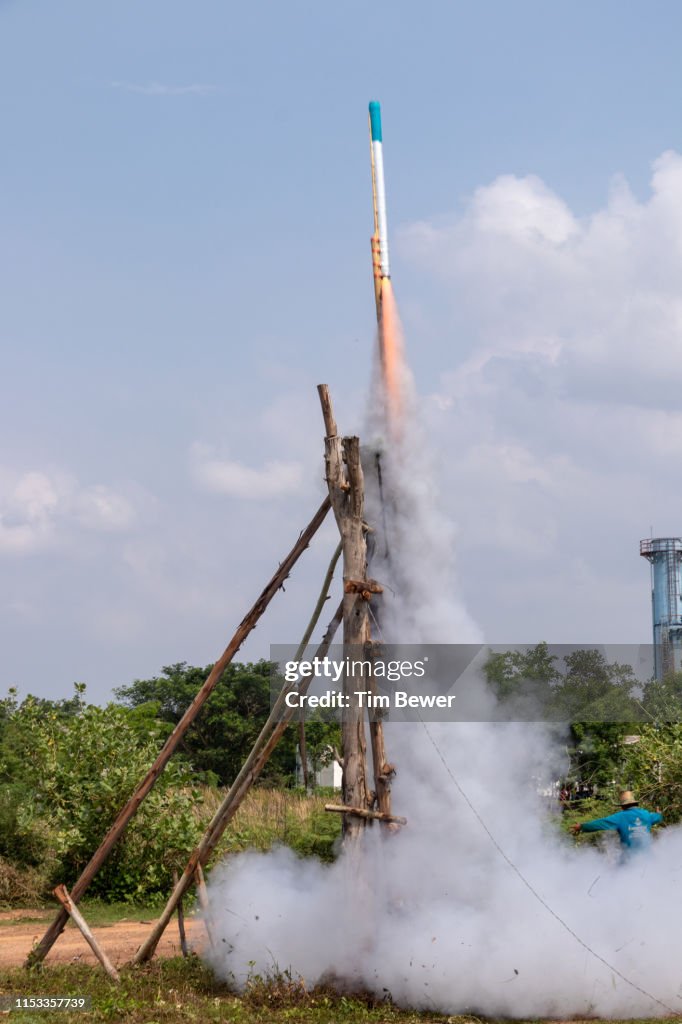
(391, 352)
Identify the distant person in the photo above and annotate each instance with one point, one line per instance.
(632, 823)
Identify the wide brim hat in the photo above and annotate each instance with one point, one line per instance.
(627, 797)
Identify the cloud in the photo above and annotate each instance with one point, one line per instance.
(100, 508)
(38, 509)
(597, 298)
(226, 476)
(560, 339)
(27, 513)
(161, 89)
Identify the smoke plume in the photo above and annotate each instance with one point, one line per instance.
(480, 904)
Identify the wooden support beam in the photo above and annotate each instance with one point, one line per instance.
(70, 908)
(247, 624)
(269, 737)
(383, 771)
(305, 640)
(362, 812)
(181, 920)
(345, 482)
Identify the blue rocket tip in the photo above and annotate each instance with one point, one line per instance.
(375, 121)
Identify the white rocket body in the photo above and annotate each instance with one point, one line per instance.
(379, 186)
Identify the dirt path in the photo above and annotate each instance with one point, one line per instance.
(119, 941)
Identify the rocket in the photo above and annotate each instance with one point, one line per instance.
(379, 241)
(390, 348)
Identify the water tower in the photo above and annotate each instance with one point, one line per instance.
(664, 554)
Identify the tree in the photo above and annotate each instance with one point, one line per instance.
(525, 677)
(228, 724)
(598, 701)
(653, 768)
(592, 689)
(224, 732)
(662, 699)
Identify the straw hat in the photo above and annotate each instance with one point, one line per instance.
(627, 797)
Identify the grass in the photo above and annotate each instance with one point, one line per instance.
(177, 990)
(270, 816)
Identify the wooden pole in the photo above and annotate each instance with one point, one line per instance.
(345, 482)
(382, 770)
(70, 908)
(247, 624)
(305, 640)
(362, 812)
(262, 750)
(181, 920)
(303, 754)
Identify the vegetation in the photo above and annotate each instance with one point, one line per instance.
(224, 732)
(67, 767)
(622, 734)
(175, 991)
(67, 770)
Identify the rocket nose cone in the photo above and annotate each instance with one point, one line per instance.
(375, 120)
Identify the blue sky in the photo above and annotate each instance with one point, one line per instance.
(185, 210)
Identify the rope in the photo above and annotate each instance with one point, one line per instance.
(534, 891)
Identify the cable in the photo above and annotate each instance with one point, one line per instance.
(534, 891)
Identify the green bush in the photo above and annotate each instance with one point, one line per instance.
(80, 766)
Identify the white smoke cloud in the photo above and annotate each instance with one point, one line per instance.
(436, 916)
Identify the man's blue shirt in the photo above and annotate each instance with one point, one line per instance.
(633, 826)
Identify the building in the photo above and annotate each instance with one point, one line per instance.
(664, 555)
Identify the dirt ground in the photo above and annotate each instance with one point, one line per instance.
(119, 941)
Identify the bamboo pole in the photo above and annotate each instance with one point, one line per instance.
(247, 624)
(70, 908)
(262, 750)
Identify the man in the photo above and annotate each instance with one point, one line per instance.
(632, 823)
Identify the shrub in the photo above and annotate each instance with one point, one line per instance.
(80, 768)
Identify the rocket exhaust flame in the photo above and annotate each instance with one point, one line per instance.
(391, 354)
